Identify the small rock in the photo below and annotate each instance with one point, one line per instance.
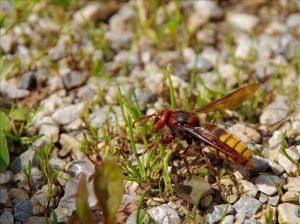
(23, 210)
(249, 188)
(10, 90)
(22, 161)
(132, 218)
(35, 220)
(263, 198)
(163, 214)
(273, 200)
(5, 177)
(67, 114)
(291, 196)
(203, 65)
(78, 167)
(19, 194)
(50, 132)
(63, 214)
(72, 79)
(240, 218)
(206, 201)
(293, 184)
(276, 168)
(293, 21)
(7, 218)
(288, 213)
(94, 11)
(227, 72)
(263, 69)
(37, 209)
(247, 205)
(28, 81)
(228, 219)
(208, 10)
(288, 165)
(68, 143)
(58, 164)
(251, 221)
(260, 164)
(276, 111)
(268, 184)
(243, 21)
(68, 200)
(231, 190)
(119, 38)
(244, 133)
(57, 52)
(4, 199)
(214, 216)
(36, 179)
(244, 48)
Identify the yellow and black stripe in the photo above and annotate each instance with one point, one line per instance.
(234, 143)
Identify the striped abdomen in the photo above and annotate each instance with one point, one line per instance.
(234, 143)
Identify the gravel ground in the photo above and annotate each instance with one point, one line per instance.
(73, 70)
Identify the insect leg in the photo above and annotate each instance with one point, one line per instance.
(202, 155)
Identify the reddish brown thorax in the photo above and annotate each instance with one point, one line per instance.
(171, 119)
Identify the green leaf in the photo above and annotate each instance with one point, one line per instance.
(108, 185)
(82, 205)
(20, 114)
(4, 155)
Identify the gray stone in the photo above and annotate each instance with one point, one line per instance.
(68, 200)
(163, 214)
(244, 133)
(249, 188)
(240, 218)
(35, 220)
(273, 200)
(293, 21)
(288, 165)
(63, 214)
(72, 79)
(6, 218)
(119, 38)
(293, 184)
(67, 114)
(247, 205)
(228, 219)
(276, 168)
(78, 167)
(291, 196)
(268, 184)
(10, 90)
(94, 11)
(4, 199)
(17, 193)
(132, 217)
(50, 132)
(276, 111)
(57, 52)
(214, 216)
(263, 198)
(58, 164)
(208, 10)
(23, 210)
(5, 177)
(263, 69)
(21, 161)
(36, 179)
(288, 213)
(242, 21)
(203, 65)
(28, 81)
(260, 164)
(251, 221)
